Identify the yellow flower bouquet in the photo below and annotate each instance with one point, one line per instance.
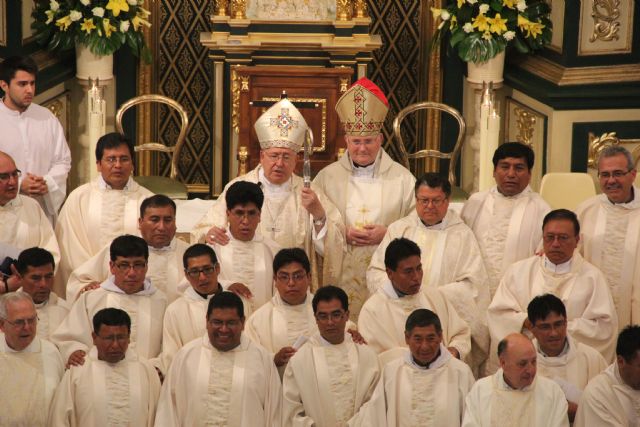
(104, 26)
(481, 29)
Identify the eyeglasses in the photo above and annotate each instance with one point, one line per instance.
(562, 238)
(275, 157)
(334, 315)
(435, 202)
(4, 177)
(546, 327)
(220, 323)
(615, 174)
(285, 277)
(248, 214)
(123, 267)
(112, 160)
(21, 323)
(194, 273)
(115, 338)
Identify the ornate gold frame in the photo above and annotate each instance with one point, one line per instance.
(598, 143)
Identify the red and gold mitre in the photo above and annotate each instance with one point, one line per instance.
(281, 126)
(363, 108)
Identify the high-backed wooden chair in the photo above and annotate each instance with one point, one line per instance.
(169, 186)
(566, 190)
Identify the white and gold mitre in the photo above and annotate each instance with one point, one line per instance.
(281, 126)
(363, 108)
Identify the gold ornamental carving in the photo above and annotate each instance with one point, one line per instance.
(361, 9)
(239, 9)
(243, 160)
(221, 7)
(344, 10)
(56, 108)
(235, 101)
(599, 143)
(244, 83)
(323, 132)
(605, 14)
(525, 121)
(344, 84)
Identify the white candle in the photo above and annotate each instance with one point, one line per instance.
(485, 170)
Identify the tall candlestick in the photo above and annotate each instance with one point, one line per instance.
(485, 170)
(96, 118)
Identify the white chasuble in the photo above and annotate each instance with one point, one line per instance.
(610, 234)
(284, 220)
(99, 393)
(30, 378)
(383, 317)
(591, 314)
(508, 229)
(92, 216)
(204, 387)
(51, 313)
(325, 385)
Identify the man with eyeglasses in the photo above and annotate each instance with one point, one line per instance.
(571, 364)
(611, 231)
(450, 256)
(23, 223)
(507, 218)
(293, 215)
(33, 136)
(157, 225)
(383, 316)
(221, 378)
(369, 189)
(113, 386)
(99, 211)
(35, 268)
(591, 315)
(126, 288)
(331, 377)
(31, 367)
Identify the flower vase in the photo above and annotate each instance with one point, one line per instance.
(489, 71)
(90, 65)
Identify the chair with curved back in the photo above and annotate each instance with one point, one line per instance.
(457, 193)
(566, 190)
(168, 186)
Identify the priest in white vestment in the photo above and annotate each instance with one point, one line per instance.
(562, 359)
(33, 136)
(329, 379)
(561, 271)
(35, 268)
(369, 189)
(515, 396)
(222, 378)
(23, 223)
(97, 212)
(30, 367)
(383, 316)
(128, 289)
(611, 231)
(157, 224)
(612, 399)
(450, 257)
(293, 215)
(507, 219)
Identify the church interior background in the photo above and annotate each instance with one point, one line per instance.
(580, 92)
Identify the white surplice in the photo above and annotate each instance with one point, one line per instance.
(609, 239)
(51, 313)
(325, 385)
(236, 388)
(284, 220)
(380, 193)
(146, 309)
(385, 313)
(29, 380)
(36, 142)
(93, 215)
(491, 402)
(583, 289)
(99, 393)
(508, 229)
(166, 270)
(609, 402)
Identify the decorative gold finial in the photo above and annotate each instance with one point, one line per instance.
(221, 7)
(239, 9)
(361, 9)
(344, 10)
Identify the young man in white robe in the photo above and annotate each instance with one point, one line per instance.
(23, 223)
(293, 215)
(611, 230)
(113, 387)
(515, 396)
(507, 219)
(612, 399)
(99, 211)
(222, 378)
(561, 271)
(383, 316)
(35, 267)
(369, 189)
(329, 379)
(30, 367)
(426, 386)
(246, 260)
(33, 136)
(157, 224)
(562, 359)
(450, 256)
(128, 289)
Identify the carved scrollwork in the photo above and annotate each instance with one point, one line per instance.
(599, 143)
(525, 122)
(361, 9)
(605, 15)
(344, 10)
(235, 101)
(56, 107)
(239, 9)
(221, 7)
